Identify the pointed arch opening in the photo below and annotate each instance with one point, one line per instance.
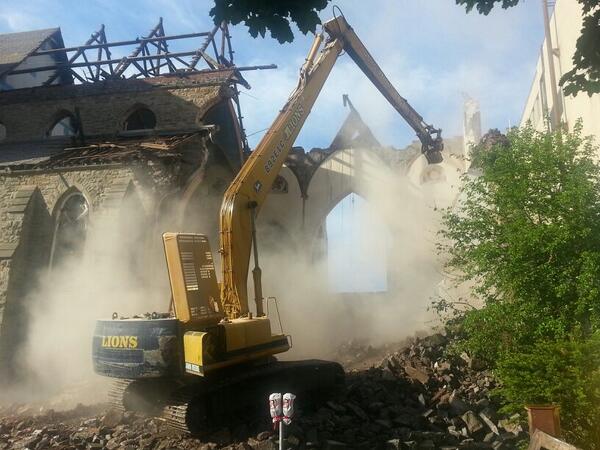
(357, 242)
(141, 118)
(71, 224)
(63, 125)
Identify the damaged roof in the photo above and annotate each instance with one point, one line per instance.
(102, 153)
(16, 47)
(210, 88)
(354, 132)
(19, 153)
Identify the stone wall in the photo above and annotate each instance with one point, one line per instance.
(29, 204)
(145, 184)
(27, 260)
(178, 103)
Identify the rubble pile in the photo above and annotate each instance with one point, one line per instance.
(415, 398)
(444, 402)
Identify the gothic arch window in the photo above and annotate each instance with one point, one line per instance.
(65, 125)
(71, 224)
(140, 119)
(2, 132)
(357, 243)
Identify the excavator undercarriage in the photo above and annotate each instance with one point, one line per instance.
(193, 405)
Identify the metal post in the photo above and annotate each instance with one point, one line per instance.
(281, 435)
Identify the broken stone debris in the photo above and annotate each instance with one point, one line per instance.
(414, 398)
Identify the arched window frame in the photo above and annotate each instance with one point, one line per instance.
(383, 275)
(56, 215)
(58, 118)
(136, 109)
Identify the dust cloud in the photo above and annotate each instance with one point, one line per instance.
(107, 273)
(121, 269)
(409, 208)
(118, 267)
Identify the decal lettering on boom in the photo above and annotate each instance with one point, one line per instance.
(289, 129)
(119, 341)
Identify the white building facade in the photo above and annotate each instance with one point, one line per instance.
(565, 27)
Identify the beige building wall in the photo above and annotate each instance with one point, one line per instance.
(565, 27)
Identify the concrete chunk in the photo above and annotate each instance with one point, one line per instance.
(416, 374)
(472, 422)
(488, 421)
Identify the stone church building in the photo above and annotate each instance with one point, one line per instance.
(161, 146)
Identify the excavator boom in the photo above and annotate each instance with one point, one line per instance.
(248, 191)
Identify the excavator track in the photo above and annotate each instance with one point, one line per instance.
(204, 405)
(116, 394)
(175, 413)
(199, 405)
(147, 396)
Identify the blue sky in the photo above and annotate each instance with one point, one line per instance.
(430, 49)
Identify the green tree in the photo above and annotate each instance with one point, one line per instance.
(273, 15)
(564, 372)
(527, 236)
(277, 15)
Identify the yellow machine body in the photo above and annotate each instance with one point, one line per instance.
(194, 287)
(240, 340)
(211, 341)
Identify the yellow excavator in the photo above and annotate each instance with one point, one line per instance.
(210, 353)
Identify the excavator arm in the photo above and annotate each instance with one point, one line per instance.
(249, 189)
(430, 137)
